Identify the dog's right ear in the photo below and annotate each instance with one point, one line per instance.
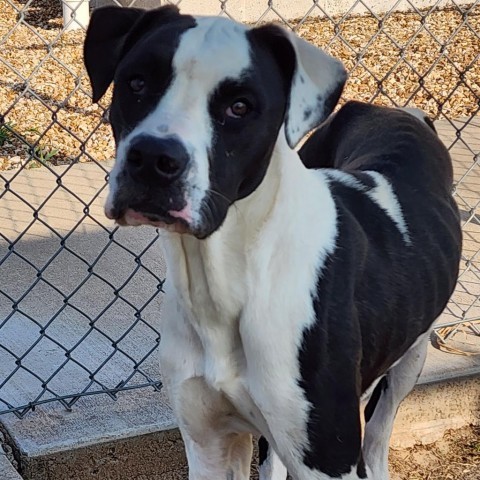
(315, 79)
(106, 40)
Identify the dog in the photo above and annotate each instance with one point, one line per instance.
(298, 285)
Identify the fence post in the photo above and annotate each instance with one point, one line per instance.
(75, 14)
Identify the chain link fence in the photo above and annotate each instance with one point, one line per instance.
(79, 299)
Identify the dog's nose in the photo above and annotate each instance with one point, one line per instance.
(156, 160)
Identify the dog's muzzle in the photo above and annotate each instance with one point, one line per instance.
(150, 190)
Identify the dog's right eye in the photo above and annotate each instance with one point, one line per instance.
(238, 109)
(137, 84)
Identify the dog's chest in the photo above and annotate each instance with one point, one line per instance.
(204, 278)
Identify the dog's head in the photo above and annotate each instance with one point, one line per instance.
(197, 107)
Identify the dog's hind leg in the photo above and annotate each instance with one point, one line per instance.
(270, 467)
(382, 407)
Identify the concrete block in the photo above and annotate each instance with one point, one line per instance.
(155, 456)
(432, 409)
(7, 472)
(424, 416)
(147, 4)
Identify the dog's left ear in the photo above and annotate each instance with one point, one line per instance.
(316, 79)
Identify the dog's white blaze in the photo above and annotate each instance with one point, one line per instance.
(215, 50)
(383, 195)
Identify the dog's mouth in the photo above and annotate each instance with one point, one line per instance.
(173, 221)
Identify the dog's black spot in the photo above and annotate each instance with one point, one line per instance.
(381, 386)
(113, 32)
(330, 386)
(307, 114)
(361, 468)
(262, 450)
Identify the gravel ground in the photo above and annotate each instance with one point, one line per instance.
(44, 93)
(454, 457)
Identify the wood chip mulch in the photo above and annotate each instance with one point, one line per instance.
(44, 93)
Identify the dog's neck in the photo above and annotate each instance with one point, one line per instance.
(221, 266)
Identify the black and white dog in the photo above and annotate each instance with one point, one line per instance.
(296, 290)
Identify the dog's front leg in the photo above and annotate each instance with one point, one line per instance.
(215, 445)
(218, 445)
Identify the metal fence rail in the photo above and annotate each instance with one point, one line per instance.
(426, 57)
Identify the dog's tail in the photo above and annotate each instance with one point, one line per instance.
(421, 115)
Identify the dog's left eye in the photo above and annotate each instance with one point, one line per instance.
(137, 84)
(238, 109)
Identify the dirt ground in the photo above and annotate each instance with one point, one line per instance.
(455, 457)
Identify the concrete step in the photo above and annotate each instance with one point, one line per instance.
(7, 471)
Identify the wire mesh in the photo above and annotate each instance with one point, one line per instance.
(397, 53)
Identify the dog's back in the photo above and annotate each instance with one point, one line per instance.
(370, 137)
(392, 180)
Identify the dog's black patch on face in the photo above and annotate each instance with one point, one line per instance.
(242, 147)
(149, 59)
(112, 32)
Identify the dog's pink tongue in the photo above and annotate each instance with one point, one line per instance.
(184, 214)
(134, 218)
(137, 216)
